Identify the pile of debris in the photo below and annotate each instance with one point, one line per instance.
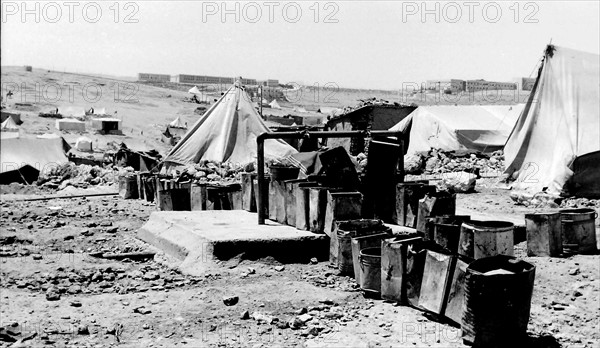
(372, 101)
(81, 176)
(211, 171)
(574, 202)
(437, 161)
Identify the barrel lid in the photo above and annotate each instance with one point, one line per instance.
(489, 225)
(578, 211)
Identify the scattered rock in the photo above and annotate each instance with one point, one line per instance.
(75, 303)
(245, 315)
(151, 275)
(36, 256)
(83, 330)
(230, 300)
(574, 271)
(279, 268)
(295, 323)
(142, 310)
(304, 318)
(52, 295)
(262, 317)
(301, 311)
(314, 261)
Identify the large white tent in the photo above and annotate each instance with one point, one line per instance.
(482, 128)
(556, 140)
(227, 132)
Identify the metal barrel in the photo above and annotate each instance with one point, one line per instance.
(578, 230)
(370, 271)
(543, 234)
(344, 260)
(497, 302)
(479, 239)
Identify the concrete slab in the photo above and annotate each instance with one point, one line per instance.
(200, 239)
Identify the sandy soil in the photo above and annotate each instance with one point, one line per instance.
(46, 249)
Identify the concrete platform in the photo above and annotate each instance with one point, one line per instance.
(200, 239)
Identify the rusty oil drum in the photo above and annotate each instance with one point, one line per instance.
(578, 230)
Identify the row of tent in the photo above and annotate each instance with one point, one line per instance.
(74, 111)
(549, 142)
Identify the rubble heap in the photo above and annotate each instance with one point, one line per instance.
(574, 202)
(81, 176)
(212, 172)
(436, 161)
(372, 101)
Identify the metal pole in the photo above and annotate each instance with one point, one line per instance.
(260, 198)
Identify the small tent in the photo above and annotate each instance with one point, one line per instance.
(84, 144)
(201, 96)
(23, 159)
(482, 128)
(99, 112)
(9, 125)
(274, 104)
(177, 123)
(227, 132)
(72, 111)
(555, 144)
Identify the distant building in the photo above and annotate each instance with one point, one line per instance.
(483, 85)
(154, 77)
(201, 79)
(457, 85)
(249, 82)
(527, 83)
(268, 83)
(436, 85)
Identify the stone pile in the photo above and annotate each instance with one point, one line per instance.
(212, 172)
(573, 202)
(371, 101)
(437, 162)
(81, 176)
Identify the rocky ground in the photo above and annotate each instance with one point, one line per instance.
(58, 289)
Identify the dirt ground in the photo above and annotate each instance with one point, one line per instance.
(52, 285)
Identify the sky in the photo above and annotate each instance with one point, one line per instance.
(353, 44)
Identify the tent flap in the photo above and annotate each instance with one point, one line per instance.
(560, 123)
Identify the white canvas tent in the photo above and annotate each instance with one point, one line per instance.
(23, 159)
(99, 112)
(9, 125)
(555, 144)
(482, 128)
(274, 104)
(198, 93)
(177, 123)
(72, 111)
(84, 144)
(227, 132)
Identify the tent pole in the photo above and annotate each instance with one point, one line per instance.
(260, 195)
